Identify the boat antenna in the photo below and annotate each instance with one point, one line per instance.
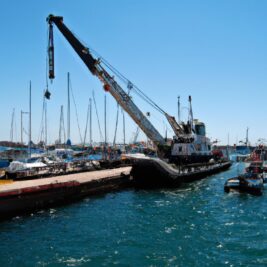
(191, 118)
(30, 119)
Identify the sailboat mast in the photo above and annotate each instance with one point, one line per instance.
(30, 118)
(191, 112)
(60, 124)
(68, 130)
(123, 119)
(90, 130)
(86, 126)
(61, 127)
(12, 126)
(21, 127)
(179, 110)
(247, 137)
(227, 150)
(105, 119)
(45, 123)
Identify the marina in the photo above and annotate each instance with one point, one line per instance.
(170, 162)
(184, 158)
(132, 134)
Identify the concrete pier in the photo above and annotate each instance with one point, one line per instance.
(23, 196)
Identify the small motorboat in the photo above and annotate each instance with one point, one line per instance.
(249, 183)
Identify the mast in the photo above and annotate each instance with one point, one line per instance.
(105, 119)
(68, 112)
(123, 119)
(61, 126)
(21, 127)
(12, 126)
(90, 126)
(247, 136)
(86, 126)
(30, 118)
(45, 123)
(191, 112)
(21, 124)
(179, 110)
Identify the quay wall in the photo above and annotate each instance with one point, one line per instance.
(27, 196)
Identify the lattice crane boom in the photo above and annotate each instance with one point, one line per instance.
(108, 81)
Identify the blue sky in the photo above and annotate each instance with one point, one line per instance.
(212, 50)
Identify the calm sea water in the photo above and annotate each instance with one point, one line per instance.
(196, 225)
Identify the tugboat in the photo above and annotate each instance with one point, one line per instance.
(249, 183)
(255, 176)
(193, 146)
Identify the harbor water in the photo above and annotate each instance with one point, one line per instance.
(195, 225)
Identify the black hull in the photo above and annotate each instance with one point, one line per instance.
(242, 189)
(190, 159)
(151, 173)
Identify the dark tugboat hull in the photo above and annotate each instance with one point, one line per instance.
(151, 174)
(192, 159)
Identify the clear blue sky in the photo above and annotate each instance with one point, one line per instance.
(214, 50)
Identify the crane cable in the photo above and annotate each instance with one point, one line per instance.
(137, 90)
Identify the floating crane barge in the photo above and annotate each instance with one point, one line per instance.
(189, 141)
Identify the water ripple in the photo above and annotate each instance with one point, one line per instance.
(195, 225)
